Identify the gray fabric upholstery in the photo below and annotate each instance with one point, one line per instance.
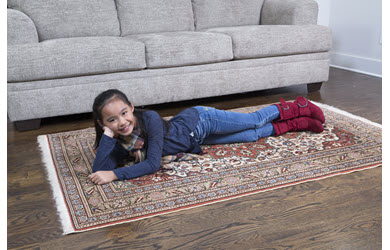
(148, 16)
(119, 76)
(74, 56)
(275, 40)
(70, 18)
(20, 28)
(78, 98)
(169, 49)
(293, 12)
(150, 51)
(222, 13)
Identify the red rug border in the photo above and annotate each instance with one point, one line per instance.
(225, 198)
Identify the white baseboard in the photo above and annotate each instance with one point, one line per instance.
(364, 65)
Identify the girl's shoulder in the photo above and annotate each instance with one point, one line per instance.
(148, 115)
(151, 120)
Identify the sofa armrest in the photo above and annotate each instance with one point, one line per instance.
(294, 12)
(20, 28)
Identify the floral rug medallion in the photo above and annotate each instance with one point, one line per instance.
(348, 144)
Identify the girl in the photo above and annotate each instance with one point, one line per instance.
(124, 133)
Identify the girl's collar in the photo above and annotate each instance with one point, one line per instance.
(136, 133)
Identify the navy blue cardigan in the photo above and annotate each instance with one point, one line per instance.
(160, 143)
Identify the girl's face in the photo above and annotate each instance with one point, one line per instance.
(118, 116)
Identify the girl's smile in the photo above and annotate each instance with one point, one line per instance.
(118, 117)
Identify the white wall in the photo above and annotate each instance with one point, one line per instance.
(323, 12)
(356, 29)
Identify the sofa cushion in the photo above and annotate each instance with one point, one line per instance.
(169, 49)
(68, 57)
(148, 16)
(277, 40)
(70, 18)
(221, 13)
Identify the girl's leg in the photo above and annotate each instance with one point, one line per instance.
(248, 135)
(220, 122)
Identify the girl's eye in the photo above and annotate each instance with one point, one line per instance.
(124, 113)
(111, 120)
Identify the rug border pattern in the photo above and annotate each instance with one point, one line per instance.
(63, 210)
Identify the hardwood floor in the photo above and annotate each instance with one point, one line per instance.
(343, 212)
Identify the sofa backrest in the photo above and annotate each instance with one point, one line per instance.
(70, 18)
(150, 16)
(80, 18)
(222, 13)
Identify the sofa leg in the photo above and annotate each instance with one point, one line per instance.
(28, 125)
(312, 87)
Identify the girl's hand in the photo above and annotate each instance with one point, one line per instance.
(108, 132)
(103, 177)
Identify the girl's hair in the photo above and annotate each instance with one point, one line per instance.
(102, 99)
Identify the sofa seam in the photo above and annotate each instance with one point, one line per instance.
(117, 16)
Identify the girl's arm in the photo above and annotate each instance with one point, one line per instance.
(154, 127)
(108, 155)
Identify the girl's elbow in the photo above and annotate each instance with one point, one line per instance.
(154, 167)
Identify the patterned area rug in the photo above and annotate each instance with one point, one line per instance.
(348, 144)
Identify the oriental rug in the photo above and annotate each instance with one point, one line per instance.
(348, 143)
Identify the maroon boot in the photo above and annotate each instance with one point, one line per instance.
(298, 124)
(301, 107)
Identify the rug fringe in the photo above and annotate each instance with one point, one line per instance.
(337, 110)
(62, 209)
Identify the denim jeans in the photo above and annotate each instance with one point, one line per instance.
(219, 126)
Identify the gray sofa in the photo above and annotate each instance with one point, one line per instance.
(62, 53)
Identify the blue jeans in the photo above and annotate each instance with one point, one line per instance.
(219, 126)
